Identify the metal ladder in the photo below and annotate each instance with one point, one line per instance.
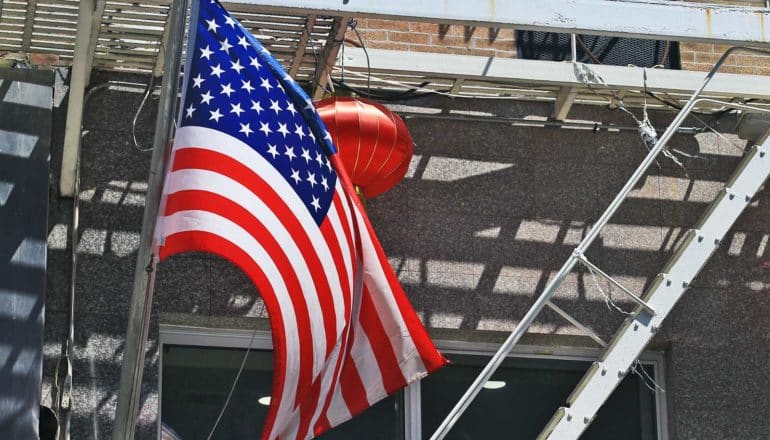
(652, 308)
(669, 286)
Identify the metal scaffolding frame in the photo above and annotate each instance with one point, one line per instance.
(305, 35)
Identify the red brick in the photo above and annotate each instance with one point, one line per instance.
(372, 35)
(696, 66)
(425, 28)
(697, 47)
(409, 37)
(751, 60)
(687, 57)
(505, 44)
(701, 57)
(764, 71)
(453, 41)
(44, 59)
(396, 25)
(388, 45)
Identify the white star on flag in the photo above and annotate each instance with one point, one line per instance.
(246, 130)
(206, 53)
(283, 129)
(236, 108)
(265, 128)
(215, 115)
(217, 70)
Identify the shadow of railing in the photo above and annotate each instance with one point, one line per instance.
(487, 214)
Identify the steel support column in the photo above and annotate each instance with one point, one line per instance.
(79, 78)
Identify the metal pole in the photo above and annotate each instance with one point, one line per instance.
(77, 89)
(144, 275)
(545, 297)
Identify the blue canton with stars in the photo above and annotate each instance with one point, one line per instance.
(235, 86)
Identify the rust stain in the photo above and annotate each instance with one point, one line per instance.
(708, 21)
(762, 25)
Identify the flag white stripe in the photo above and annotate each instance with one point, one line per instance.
(339, 232)
(205, 221)
(204, 180)
(366, 364)
(326, 383)
(346, 210)
(338, 409)
(387, 309)
(219, 142)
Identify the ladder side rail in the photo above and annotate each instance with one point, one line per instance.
(550, 289)
(637, 331)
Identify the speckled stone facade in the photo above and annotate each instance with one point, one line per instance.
(486, 215)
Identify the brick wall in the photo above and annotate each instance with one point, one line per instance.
(702, 56)
(488, 42)
(432, 37)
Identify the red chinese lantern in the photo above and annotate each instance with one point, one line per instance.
(373, 143)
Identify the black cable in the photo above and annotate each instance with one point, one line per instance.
(388, 96)
(353, 25)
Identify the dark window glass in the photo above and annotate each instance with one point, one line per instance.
(522, 396)
(196, 381)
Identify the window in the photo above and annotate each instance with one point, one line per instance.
(198, 366)
(196, 380)
(523, 394)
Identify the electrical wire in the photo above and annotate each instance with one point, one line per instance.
(354, 26)
(147, 93)
(235, 382)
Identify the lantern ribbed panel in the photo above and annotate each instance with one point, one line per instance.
(373, 142)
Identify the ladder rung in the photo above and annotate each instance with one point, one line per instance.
(582, 258)
(585, 329)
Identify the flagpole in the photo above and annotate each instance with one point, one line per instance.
(135, 345)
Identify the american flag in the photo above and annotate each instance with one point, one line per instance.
(253, 177)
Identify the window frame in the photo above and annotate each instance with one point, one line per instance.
(172, 334)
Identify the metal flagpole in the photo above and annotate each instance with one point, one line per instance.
(144, 274)
(577, 254)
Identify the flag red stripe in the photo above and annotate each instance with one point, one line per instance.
(214, 244)
(334, 247)
(195, 200)
(199, 158)
(351, 385)
(322, 423)
(312, 407)
(378, 337)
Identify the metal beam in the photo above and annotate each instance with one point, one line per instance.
(302, 46)
(564, 101)
(329, 57)
(29, 25)
(553, 73)
(659, 20)
(78, 82)
(132, 369)
(96, 27)
(89, 24)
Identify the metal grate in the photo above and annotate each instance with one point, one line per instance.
(131, 33)
(553, 46)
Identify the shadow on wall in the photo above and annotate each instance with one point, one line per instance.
(485, 216)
